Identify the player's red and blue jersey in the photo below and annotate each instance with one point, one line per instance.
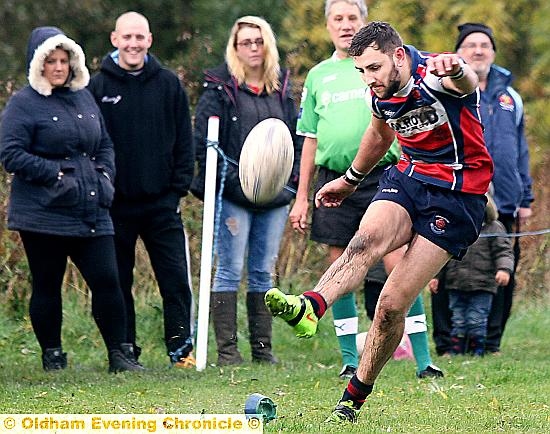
(440, 131)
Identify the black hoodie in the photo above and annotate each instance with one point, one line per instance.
(147, 116)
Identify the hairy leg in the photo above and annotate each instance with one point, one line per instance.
(385, 227)
(420, 263)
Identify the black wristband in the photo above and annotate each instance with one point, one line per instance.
(458, 75)
(350, 180)
(353, 176)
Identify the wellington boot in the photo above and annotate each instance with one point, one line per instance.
(223, 307)
(259, 327)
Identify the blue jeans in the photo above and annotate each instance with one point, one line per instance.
(470, 311)
(259, 231)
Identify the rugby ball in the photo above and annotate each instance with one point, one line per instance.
(266, 160)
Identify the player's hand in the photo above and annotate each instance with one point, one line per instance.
(443, 64)
(433, 285)
(333, 193)
(298, 215)
(502, 278)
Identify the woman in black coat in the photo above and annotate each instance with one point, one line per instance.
(54, 142)
(245, 90)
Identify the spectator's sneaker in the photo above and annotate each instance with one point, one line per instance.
(431, 371)
(347, 372)
(182, 357)
(54, 359)
(118, 362)
(131, 352)
(297, 311)
(344, 412)
(188, 362)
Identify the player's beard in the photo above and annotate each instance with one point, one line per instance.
(394, 83)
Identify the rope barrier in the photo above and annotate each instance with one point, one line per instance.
(516, 234)
(219, 196)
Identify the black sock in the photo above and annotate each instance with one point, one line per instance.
(357, 392)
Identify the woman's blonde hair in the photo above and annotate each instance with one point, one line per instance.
(271, 65)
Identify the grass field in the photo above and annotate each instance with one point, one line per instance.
(507, 393)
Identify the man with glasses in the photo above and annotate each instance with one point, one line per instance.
(501, 110)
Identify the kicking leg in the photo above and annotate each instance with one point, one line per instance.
(385, 227)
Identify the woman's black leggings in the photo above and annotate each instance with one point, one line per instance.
(95, 259)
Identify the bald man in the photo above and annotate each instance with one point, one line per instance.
(146, 111)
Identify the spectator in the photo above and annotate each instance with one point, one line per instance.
(54, 141)
(502, 115)
(472, 284)
(248, 88)
(333, 126)
(147, 115)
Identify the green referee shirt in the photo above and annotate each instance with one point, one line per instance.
(334, 111)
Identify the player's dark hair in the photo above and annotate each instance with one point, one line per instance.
(378, 34)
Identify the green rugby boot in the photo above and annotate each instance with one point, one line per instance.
(343, 413)
(297, 311)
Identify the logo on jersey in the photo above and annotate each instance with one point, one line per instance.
(506, 102)
(416, 94)
(328, 98)
(329, 78)
(439, 225)
(416, 121)
(111, 99)
(390, 190)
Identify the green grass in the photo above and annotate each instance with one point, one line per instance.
(510, 393)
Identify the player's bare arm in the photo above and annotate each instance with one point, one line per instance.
(456, 75)
(375, 143)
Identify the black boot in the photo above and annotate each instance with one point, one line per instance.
(54, 359)
(119, 361)
(259, 327)
(223, 307)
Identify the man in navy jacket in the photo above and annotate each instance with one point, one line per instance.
(147, 115)
(501, 110)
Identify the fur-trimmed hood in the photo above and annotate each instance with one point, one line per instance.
(42, 41)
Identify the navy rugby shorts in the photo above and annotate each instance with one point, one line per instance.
(450, 219)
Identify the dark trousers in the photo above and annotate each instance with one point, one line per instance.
(441, 318)
(500, 308)
(95, 259)
(374, 282)
(158, 223)
(502, 302)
